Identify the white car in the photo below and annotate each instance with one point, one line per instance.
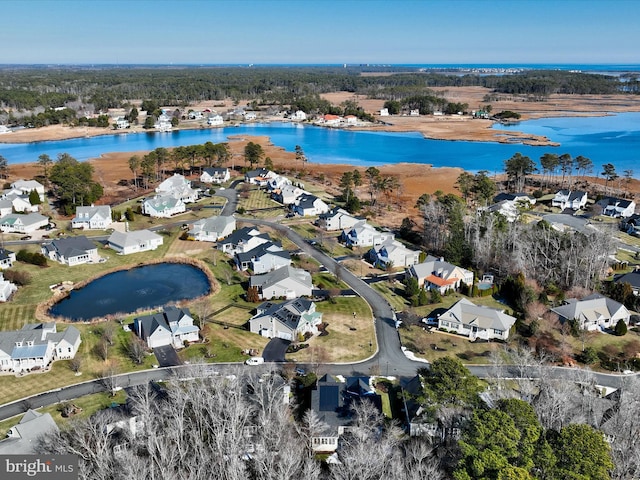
(254, 361)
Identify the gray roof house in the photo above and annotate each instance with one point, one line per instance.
(22, 438)
(163, 206)
(573, 199)
(308, 205)
(474, 321)
(263, 258)
(617, 207)
(28, 186)
(287, 282)
(36, 345)
(134, 242)
(212, 229)
(177, 186)
(393, 253)
(20, 223)
(337, 219)
(260, 176)
(286, 320)
(172, 326)
(215, 175)
(593, 312)
(632, 278)
(71, 250)
(92, 218)
(243, 240)
(7, 257)
(435, 273)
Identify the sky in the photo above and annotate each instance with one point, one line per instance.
(320, 31)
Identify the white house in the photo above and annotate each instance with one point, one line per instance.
(350, 120)
(414, 113)
(22, 223)
(337, 219)
(263, 258)
(259, 176)
(288, 194)
(134, 242)
(7, 257)
(4, 129)
(331, 120)
(364, 235)
(286, 320)
(309, 205)
(163, 206)
(6, 289)
(507, 208)
(594, 312)
(250, 116)
(178, 187)
(121, 123)
(215, 120)
(435, 273)
(163, 123)
(195, 115)
(92, 218)
(287, 282)
(575, 200)
(277, 182)
(243, 240)
(71, 251)
(215, 175)
(15, 202)
(617, 207)
(172, 326)
(474, 321)
(392, 252)
(36, 346)
(212, 229)
(298, 116)
(27, 186)
(384, 112)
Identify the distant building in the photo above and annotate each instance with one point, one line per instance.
(92, 218)
(163, 206)
(384, 112)
(594, 312)
(21, 223)
(134, 242)
(212, 229)
(298, 116)
(215, 175)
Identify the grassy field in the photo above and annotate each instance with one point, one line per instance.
(350, 338)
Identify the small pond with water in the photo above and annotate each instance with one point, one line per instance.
(127, 291)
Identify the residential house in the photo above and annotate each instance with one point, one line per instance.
(632, 278)
(332, 401)
(7, 257)
(16, 202)
(287, 320)
(392, 253)
(384, 112)
(6, 207)
(263, 258)
(277, 182)
(436, 274)
(309, 205)
(617, 207)
(172, 326)
(414, 113)
(350, 120)
(71, 250)
(298, 116)
(287, 282)
(631, 224)
(288, 194)
(243, 240)
(4, 129)
(212, 229)
(573, 199)
(521, 198)
(215, 175)
(507, 208)
(121, 123)
(250, 116)
(6, 289)
(364, 235)
(195, 115)
(331, 120)
(595, 312)
(134, 242)
(337, 219)
(23, 223)
(259, 176)
(163, 123)
(179, 187)
(28, 186)
(22, 438)
(476, 321)
(163, 206)
(36, 345)
(215, 120)
(92, 218)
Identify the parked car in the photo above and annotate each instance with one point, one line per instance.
(254, 361)
(26, 237)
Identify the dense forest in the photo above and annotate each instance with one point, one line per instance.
(29, 88)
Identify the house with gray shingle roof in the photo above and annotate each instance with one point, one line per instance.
(92, 218)
(593, 312)
(22, 438)
(172, 326)
(476, 321)
(71, 250)
(36, 345)
(309, 205)
(21, 223)
(243, 240)
(178, 187)
(287, 282)
(215, 175)
(263, 258)
(212, 229)
(393, 253)
(27, 186)
(337, 219)
(573, 199)
(286, 320)
(617, 207)
(134, 242)
(163, 206)
(7, 257)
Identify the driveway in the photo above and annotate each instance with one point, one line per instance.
(167, 356)
(275, 350)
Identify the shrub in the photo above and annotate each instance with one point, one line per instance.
(18, 277)
(621, 328)
(33, 258)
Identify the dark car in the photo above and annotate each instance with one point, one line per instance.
(26, 237)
